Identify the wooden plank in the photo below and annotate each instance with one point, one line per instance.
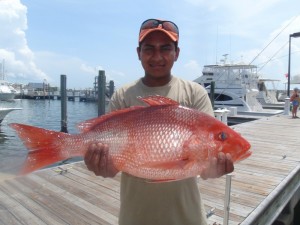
(10, 188)
(76, 196)
(54, 200)
(94, 195)
(83, 208)
(16, 212)
(6, 217)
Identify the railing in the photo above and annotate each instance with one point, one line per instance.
(222, 115)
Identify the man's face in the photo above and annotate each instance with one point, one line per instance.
(157, 54)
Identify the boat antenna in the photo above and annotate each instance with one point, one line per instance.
(225, 58)
(272, 40)
(2, 68)
(230, 47)
(217, 45)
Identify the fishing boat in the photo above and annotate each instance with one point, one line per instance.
(267, 97)
(7, 91)
(5, 111)
(236, 90)
(236, 85)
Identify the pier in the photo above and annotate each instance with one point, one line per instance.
(42, 91)
(72, 95)
(264, 188)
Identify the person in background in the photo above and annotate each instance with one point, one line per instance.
(295, 102)
(166, 203)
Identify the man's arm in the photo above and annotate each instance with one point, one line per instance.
(97, 160)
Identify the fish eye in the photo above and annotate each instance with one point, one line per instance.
(222, 136)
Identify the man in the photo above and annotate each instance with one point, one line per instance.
(167, 203)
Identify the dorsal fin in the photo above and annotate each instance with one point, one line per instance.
(158, 100)
(88, 125)
(154, 100)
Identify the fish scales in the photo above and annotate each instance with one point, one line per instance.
(161, 141)
(160, 138)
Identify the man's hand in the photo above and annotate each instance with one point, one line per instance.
(218, 167)
(97, 160)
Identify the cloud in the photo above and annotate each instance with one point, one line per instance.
(245, 8)
(23, 65)
(79, 73)
(192, 64)
(190, 69)
(90, 69)
(16, 56)
(296, 79)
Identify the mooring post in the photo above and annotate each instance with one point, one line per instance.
(63, 95)
(101, 92)
(287, 105)
(111, 88)
(227, 199)
(212, 93)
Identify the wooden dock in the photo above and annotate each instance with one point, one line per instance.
(261, 185)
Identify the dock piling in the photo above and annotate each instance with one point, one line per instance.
(212, 93)
(101, 92)
(63, 94)
(111, 88)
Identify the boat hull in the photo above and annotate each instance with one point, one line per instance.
(7, 91)
(5, 111)
(7, 96)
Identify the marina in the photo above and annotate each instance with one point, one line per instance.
(41, 113)
(42, 40)
(43, 91)
(264, 188)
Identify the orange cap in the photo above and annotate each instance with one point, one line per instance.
(174, 37)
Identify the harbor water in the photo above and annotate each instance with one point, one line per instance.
(41, 113)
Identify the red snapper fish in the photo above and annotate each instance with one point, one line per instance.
(161, 141)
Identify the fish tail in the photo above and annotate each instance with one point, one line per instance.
(44, 146)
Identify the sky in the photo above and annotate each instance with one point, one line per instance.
(42, 39)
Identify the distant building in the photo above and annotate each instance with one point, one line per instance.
(40, 87)
(35, 86)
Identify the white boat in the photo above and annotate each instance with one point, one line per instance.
(7, 91)
(235, 88)
(268, 97)
(5, 111)
(235, 85)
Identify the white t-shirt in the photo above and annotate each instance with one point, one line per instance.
(168, 203)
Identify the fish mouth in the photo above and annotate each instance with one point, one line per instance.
(243, 151)
(244, 156)
(246, 149)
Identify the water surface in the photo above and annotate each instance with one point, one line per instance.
(41, 113)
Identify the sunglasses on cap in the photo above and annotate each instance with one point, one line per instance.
(165, 24)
